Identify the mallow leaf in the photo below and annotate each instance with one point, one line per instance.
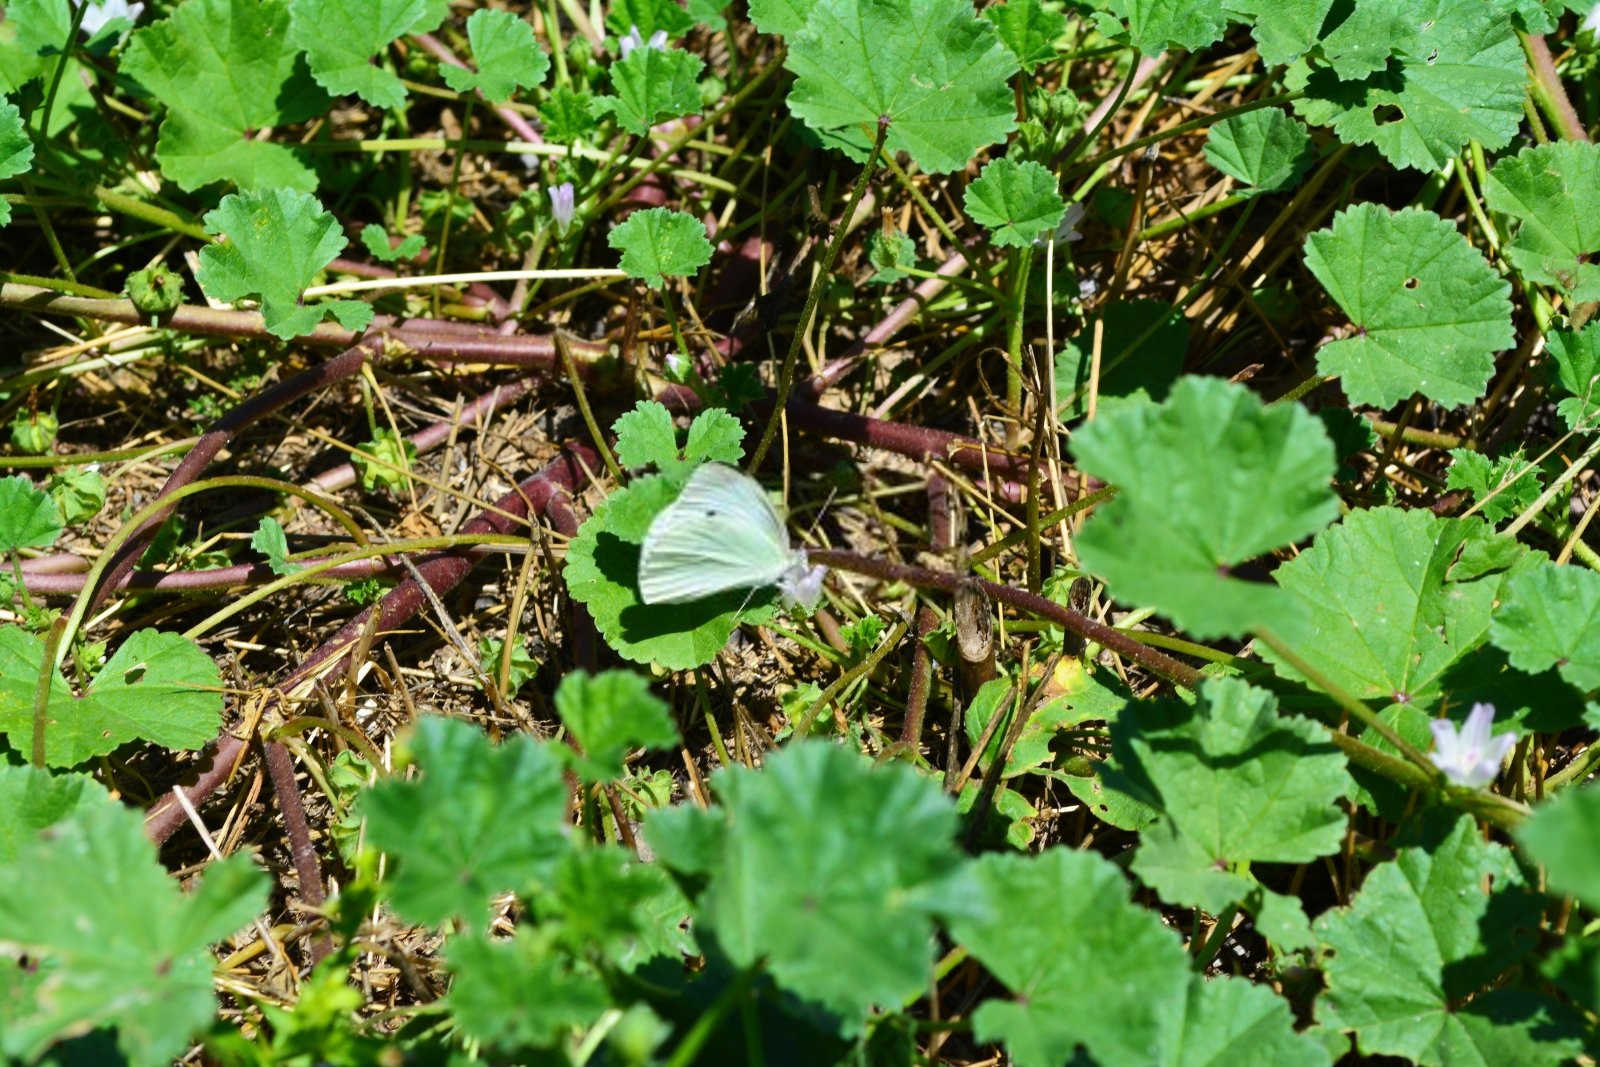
(935, 71)
(1284, 30)
(648, 16)
(1266, 150)
(1017, 202)
(16, 150)
(1446, 72)
(782, 17)
(659, 243)
(1156, 25)
(32, 799)
(224, 71)
(1029, 29)
(1232, 774)
(608, 714)
(1500, 487)
(112, 941)
(652, 85)
(1237, 784)
(376, 240)
(797, 875)
(1207, 480)
(28, 517)
(340, 38)
(1564, 836)
(158, 687)
(506, 55)
(277, 241)
(1551, 194)
(1550, 616)
(490, 998)
(483, 819)
(1081, 929)
(1577, 359)
(1415, 964)
(1384, 616)
(1430, 311)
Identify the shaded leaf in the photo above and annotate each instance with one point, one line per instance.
(483, 819)
(224, 71)
(1207, 480)
(158, 687)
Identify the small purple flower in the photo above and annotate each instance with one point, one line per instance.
(563, 204)
(1068, 231)
(1470, 756)
(634, 39)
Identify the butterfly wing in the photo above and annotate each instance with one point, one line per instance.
(721, 533)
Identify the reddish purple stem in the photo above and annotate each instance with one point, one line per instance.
(442, 571)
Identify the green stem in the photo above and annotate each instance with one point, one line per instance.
(824, 271)
(1178, 222)
(450, 199)
(78, 11)
(47, 228)
(1356, 710)
(441, 543)
(582, 397)
(41, 689)
(1548, 91)
(1306, 385)
(1022, 261)
(60, 285)
(1011, 540)
(1576, 771)
(688, 1050)
(159, 216)
(866, 666)
(71, 459)
(1088, 138)
(1205, 950)
(677, 334)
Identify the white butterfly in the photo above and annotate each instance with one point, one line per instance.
(722, 533)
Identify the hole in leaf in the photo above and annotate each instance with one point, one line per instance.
(134, 675)
(1384, 114)
(1412, 283)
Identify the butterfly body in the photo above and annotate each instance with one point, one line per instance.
(722, 533)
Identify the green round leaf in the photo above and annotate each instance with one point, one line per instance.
(1552, 194)
(659, 243)
(277, 241)
(602, 572)
(1207, 480)
(1456, 76)
(1018, 202)
(932, 68)
(1431, 311)
(158, 687)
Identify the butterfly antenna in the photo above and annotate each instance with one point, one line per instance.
(822, 512)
